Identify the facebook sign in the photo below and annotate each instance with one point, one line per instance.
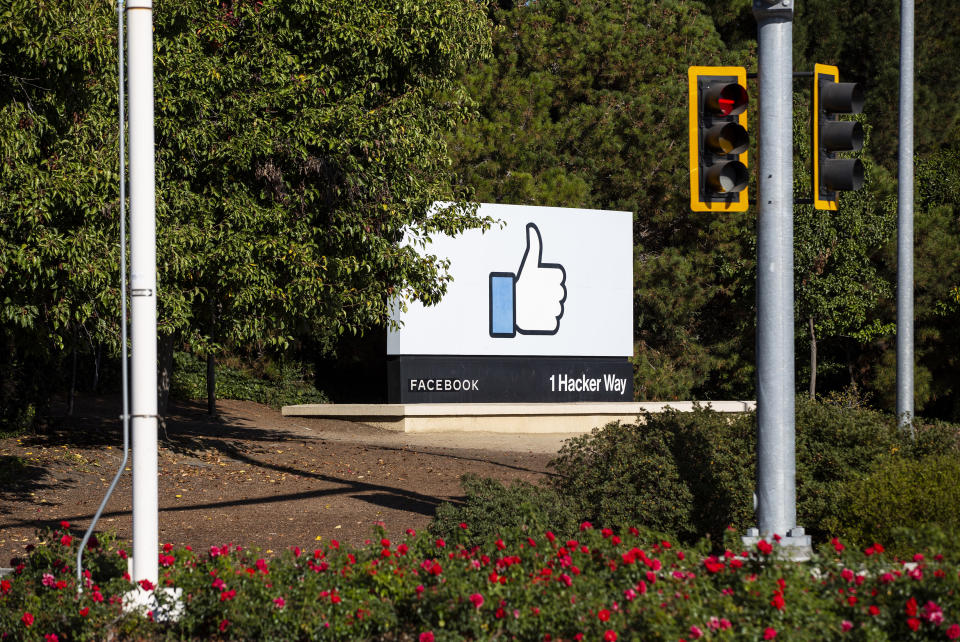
(539, 309)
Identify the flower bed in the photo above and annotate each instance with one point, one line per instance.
(599, 586)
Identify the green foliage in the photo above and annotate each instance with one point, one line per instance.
(282, 384)
(584, 105)
(692, 474)
(900, 493)
(600, 584)
(491, 508)
(295, 143)
(622, 474)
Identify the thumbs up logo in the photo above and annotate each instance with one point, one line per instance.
(530, 301)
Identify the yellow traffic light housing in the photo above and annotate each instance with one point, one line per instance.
(831, 135)
(718, 139)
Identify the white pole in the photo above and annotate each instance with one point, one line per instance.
(143, 290)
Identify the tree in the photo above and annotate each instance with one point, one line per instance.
(584, 104)
(296, 143)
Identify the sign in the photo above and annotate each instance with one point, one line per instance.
(540, 308)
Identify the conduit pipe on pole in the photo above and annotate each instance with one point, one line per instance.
(776, 425)
(143, 290)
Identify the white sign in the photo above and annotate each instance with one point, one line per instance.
(548, 281)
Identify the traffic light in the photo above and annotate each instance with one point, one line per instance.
(718, 139)
(832, 135)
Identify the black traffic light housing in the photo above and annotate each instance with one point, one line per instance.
(831, 135)
(718, 139)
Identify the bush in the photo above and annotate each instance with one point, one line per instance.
(903, 492)
(693, 474)
(492, 508)
(276, 384)
(598, 585)
(689, 474)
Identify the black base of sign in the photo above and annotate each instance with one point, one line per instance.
(450, 379)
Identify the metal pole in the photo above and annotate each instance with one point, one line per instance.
(124, 353)
(776, 466)
(143, 288)
(905, 357)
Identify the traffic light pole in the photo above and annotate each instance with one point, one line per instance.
(776, 456)
(905, 225)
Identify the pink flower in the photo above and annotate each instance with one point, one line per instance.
(279, 602)
(48, 580)
(27, 619)
(886, 578)
(51, 637)
(426, 636)
(932, 613)
(477, 600)
(846, 625)
(214, 552)
(223, 625)
(696, 633)
(630, 594)
(725, 624)
(713, 623)
(953, 632)
(916, 574)
(769, 633)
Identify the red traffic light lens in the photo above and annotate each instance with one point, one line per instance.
(731, 99)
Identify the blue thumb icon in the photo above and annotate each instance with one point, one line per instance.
(503, 311)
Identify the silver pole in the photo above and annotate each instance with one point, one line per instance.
(905, 358)
(125, 417)
(776, 466)
(143, 288)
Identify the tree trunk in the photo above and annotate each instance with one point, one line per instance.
(165, 378)
(73, 381)
(211, 386)
(97, 356)
(813, 361)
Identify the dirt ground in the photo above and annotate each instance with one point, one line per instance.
(250, 476)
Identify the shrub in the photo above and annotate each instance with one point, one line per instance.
(693, 474)
(684, 473)
(598, 585)
(491, 508)
(903, 492)
(275, 384)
